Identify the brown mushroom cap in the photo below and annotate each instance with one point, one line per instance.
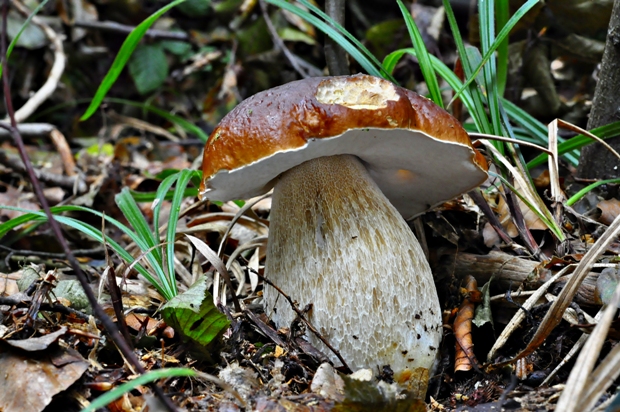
(418, 154)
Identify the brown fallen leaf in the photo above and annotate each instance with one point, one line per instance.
(464, 358)
(610, 209)
(38, 343)
(9, 196)
(29, 380)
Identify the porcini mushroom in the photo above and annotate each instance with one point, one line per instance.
(348, 158)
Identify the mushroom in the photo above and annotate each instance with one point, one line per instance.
(349, 158)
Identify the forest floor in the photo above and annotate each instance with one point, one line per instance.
(198, 62)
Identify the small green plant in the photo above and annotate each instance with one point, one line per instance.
(192, 313)
(160, 259)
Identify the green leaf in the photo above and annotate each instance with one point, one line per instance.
(123, 56)
(502, 13)
(148, 67)
(146, 240)
(577, 196)
(423, 56)
(179, 48)
(31, 37)
(483, 312)
(196, 8)
(194, 315)
(290, 34)
(175, 208)
(486, 12)
(501, 38)
(478, 110)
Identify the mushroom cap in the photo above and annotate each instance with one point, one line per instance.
(417, 153)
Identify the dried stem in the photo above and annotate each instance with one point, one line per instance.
(97, 309)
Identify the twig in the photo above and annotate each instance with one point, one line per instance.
(50, 255)
(97, 309)
(55, 73)
(492, 217)
(279, 43)
(66, 182)
(335, 55)
(122, 28)
(63, 149)
(45, 307)
(303, 318)
(31, 129)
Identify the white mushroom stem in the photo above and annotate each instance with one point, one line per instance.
(335, 241)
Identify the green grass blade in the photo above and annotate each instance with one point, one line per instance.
(392, 59)
(151, 376)
(486, 11)
(143, 237)
(123, 55)
(577, 196)
(423, 56)
(160, 196)
(85, 228)
(502, 14)
(184, 178)
(577, 142)
(142, 197)
(9, 49)
(479, 111)
(134, 216)
(501, 38)
(339, 35)
(351, 38)
(536, 129)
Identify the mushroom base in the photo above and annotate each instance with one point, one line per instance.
(337, 243)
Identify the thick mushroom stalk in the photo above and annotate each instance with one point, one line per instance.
(336, 242)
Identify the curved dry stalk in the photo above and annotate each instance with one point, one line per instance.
(584, 132)
(58, 68)
(241, 212)
(520, 315)
(279, 43)
(555, 312)
(478, 136)
(573, 351)
(581, 378)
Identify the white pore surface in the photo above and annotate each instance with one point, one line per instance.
(414, 171)
(336, 242)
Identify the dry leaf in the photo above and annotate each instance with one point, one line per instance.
(29, 380)
(464, 357)
(610, 209)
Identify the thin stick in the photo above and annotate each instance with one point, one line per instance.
(277, 41)
(55, 73)
(303, 318)
(97, 309)
(335, 56)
